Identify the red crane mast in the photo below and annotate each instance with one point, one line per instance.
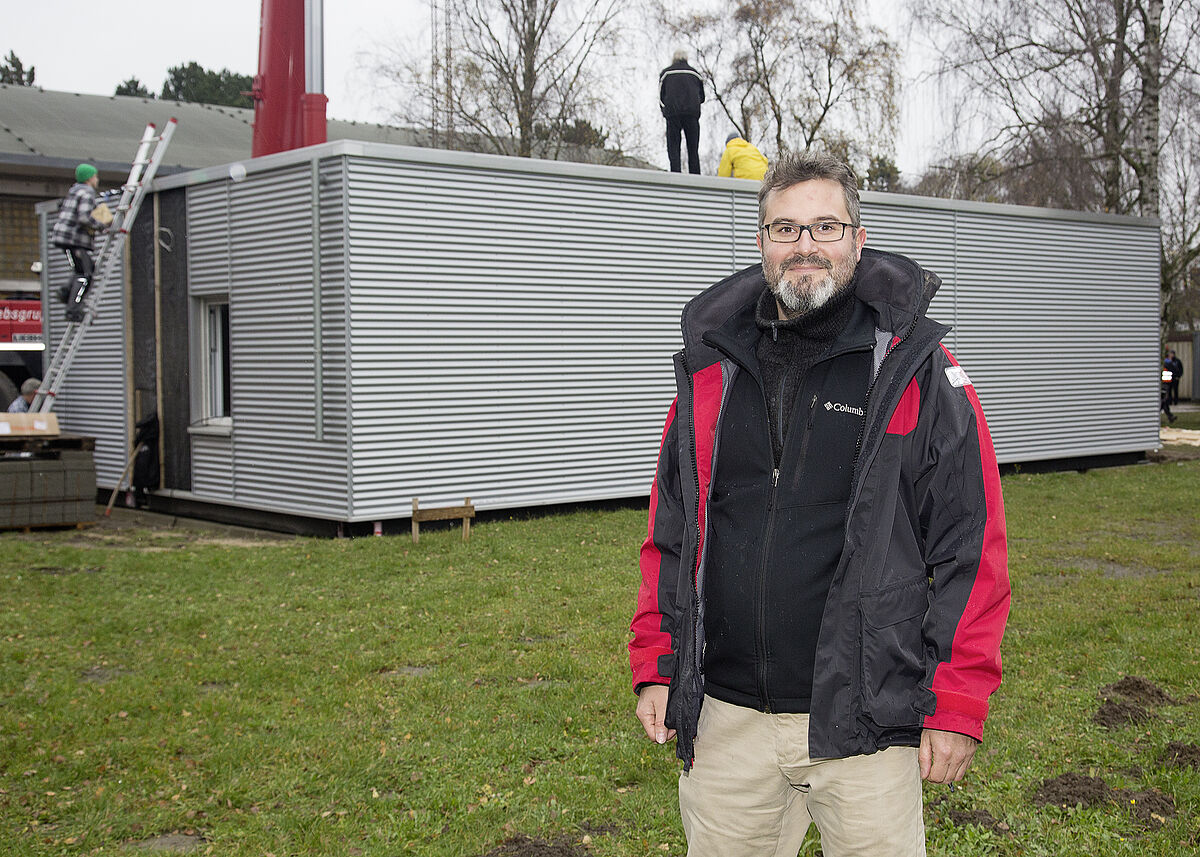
(289, 101)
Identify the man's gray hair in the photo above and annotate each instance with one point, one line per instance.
(680, 55)
(792, 168)
(30, 385)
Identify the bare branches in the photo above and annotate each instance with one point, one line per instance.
(796, 75)
(1074, 90)
(1095, 66)
(521, 72)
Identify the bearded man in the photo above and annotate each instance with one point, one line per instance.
(824, 583)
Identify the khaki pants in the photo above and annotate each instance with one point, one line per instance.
(753, 790)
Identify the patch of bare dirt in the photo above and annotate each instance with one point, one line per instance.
(1151, 807)
(939, 812)
(256, 541)
(1138, 690)
(597, 829)
(1130, 700)
(523, 846)
(171, 843)
(1071, 789)
(102, 674)
(148, 532)
(1173, 452)
(58, 570)
(1182, 755)
(407, 670)
(1115, 570)
(1115, 713)
(979, 818)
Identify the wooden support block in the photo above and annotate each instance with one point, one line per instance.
(445, 513)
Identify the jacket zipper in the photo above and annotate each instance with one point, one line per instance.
(760, 598)
(697, 631)
(812, 410)
(760, 588)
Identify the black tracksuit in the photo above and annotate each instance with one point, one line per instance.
(680, 94)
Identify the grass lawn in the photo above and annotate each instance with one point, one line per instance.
(370, 697)
(1184, 419)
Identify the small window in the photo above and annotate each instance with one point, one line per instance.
(211, 388)
(216, 341)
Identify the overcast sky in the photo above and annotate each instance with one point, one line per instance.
(144, 39)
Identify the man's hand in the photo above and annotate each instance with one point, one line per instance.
(944, 756)
(651, 708)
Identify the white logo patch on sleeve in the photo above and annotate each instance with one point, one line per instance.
(957, 376)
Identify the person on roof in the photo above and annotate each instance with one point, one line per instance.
(741, 159)
(680, 94)
(72, 233)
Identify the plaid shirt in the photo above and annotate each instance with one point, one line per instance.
(75, 224)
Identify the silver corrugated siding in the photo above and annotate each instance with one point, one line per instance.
(529, 364)
(91, 399)
(512, 330)
(503, 328)
(1060, 335)
(209, 273)
(254, 240)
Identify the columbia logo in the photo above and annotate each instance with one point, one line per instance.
(845, 409)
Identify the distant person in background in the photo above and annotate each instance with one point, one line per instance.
(1177, 374)
(20, 405)
(1168, 375)
(680, 94)
(73, 234)
(742, 160)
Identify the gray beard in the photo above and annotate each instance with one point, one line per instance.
(798, 303)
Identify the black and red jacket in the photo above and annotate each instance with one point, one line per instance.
(911, 628)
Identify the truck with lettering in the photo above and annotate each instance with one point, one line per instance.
(21, 342)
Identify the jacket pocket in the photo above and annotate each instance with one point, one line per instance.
(893, 652)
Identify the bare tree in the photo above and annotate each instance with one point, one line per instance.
(1045, 168)
(1180, 213)
(514, 77)
(1072, 92)
(1089, 71)
(796, 74)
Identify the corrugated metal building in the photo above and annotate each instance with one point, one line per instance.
(353, 325)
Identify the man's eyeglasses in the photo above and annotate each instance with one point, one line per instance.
(823, 231)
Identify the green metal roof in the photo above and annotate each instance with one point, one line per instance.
(42, 129)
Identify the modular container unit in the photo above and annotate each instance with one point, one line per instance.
(334, 331)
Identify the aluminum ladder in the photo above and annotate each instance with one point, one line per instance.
(149, 155)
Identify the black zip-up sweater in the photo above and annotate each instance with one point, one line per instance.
(780, 489)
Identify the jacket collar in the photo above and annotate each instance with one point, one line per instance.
(895, 288)
(738, 337)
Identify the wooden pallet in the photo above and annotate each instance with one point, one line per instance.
(445, 513)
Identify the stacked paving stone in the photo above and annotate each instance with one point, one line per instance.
(47, 482)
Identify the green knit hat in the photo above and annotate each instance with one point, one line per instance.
(83, 172)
